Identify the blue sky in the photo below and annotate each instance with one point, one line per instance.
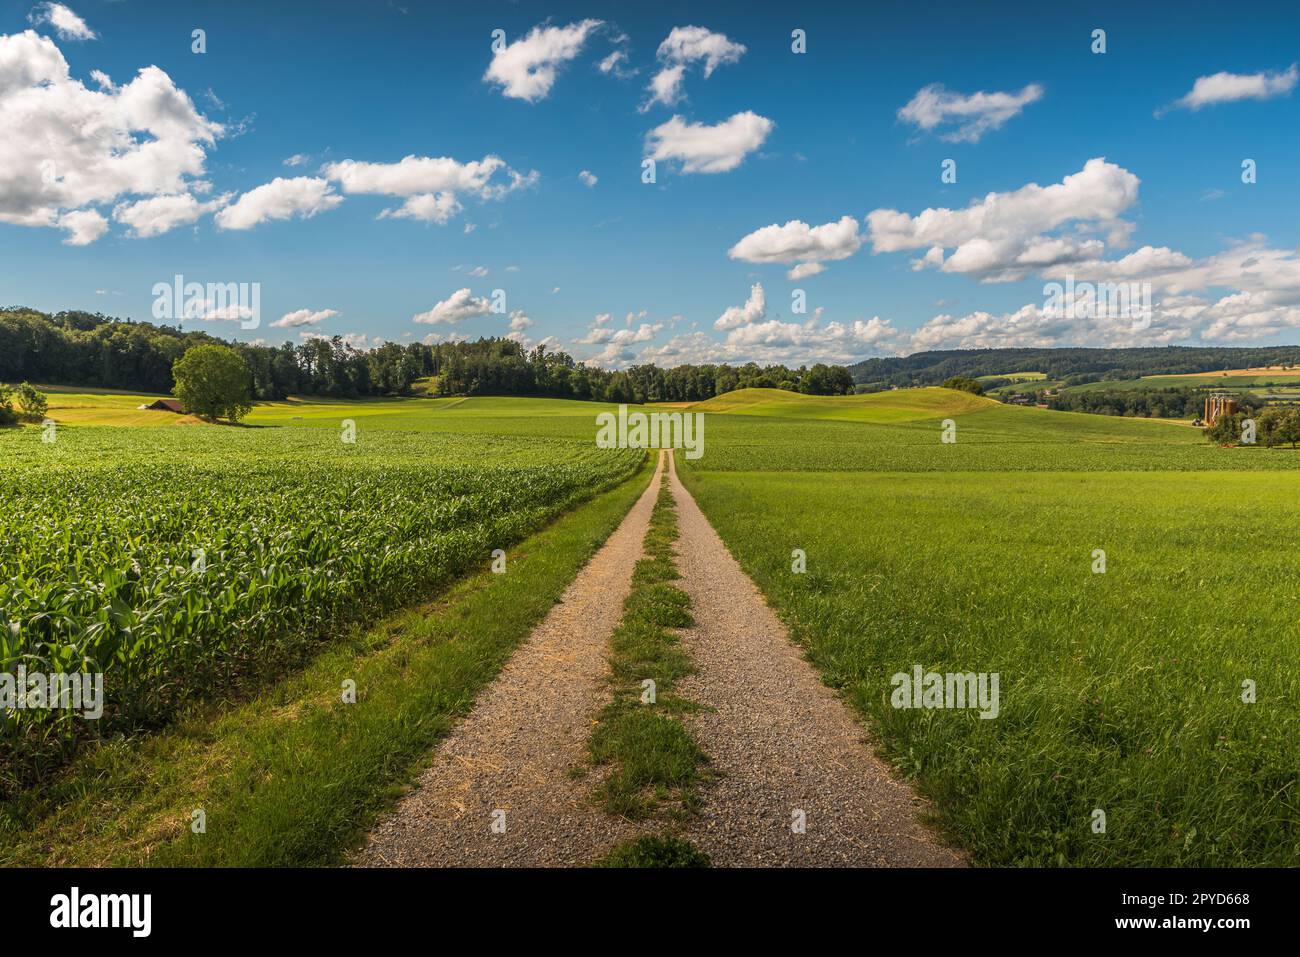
(623, 271)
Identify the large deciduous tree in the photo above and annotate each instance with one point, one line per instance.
(213, 382)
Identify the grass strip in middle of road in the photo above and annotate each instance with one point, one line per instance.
(653, 762)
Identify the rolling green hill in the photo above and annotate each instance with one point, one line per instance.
(896, 406)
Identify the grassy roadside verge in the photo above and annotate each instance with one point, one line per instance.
(295, 776)
(650, 761)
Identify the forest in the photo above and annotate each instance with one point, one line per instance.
(90, 349)
(1171, 403)
(1072, 365)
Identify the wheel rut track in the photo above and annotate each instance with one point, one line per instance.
(516, 749)
(778, 740)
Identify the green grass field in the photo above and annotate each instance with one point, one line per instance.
(904, 405)
(1016, 376)
(900, 431)
(67, 406)
(1020, 382)
(1119, 691)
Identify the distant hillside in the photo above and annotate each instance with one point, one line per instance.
(931, 368)
(900, 406)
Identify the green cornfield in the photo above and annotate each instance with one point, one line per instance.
(184, 564)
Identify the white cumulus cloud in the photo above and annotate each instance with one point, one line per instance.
(701, 148)
(772, 341)
(1246, 292)
(754, 310)
(682, 48)
(84, 226)
(65, 22)
(303, 317)
(302, 196)
(797, 242)
(616, 65)
(526, 69)
(1227, 87)
(1002, 237)
(430, 185)
(804, 271)
(67, 147)
(161, 214)
(619, 345)
(965, 118)
(455, 309)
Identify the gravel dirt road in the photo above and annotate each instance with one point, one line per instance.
(515, 750)
(780, 741)
(782, 746)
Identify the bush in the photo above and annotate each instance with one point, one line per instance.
(32, 401)
(1227, 430)
(964, 384)
(1278, 425)
(7, 414)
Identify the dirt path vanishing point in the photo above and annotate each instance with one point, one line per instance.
(779, 739)
(528, 729)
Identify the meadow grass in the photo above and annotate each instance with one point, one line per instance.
(991, 438)
(493, 415)
(1015, 376)
(108, 407)
(1120, 691)
(903, 405)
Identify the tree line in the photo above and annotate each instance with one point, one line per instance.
(503, 367)
(1090, 365)
(1274, 425)
(1168, 403)
(91, 349)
